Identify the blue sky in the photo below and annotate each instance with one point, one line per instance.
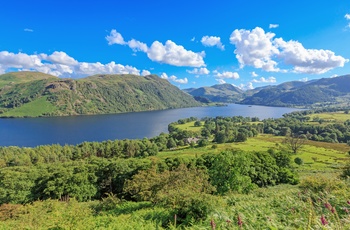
(190, 43)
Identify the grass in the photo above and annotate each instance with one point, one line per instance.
(189, 126)
(317, 156)
(34, 108)
(338, 117)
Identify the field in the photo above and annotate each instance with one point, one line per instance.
(35, 108)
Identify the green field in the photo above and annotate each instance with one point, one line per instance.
(339, 116)
(36, 108)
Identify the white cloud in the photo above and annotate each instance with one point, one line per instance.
(145, 72)
(115, 38)
(60, 64)
(254, 74)
(227, 74)
(60, 57)
(164, 76)
(255, 48)
(169, 53)
(174, 54)
(260, 50)
(347, 16)
(28, 30)
(174, 78)
(334, 75)
(137, 45)
(264, 80)
(309, 61)
(193, 39)
(199, 71)
(181, 81)
(212, 41)
(305, 79)
(247, 86)
(221, 81)
(272, 26)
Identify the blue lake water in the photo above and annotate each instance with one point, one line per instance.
(30, 132)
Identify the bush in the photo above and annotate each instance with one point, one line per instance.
(298, 161)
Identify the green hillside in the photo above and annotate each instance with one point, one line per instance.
(34, 94)
(218, 93)
(321, 92)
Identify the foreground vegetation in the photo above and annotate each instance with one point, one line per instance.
(218, 173)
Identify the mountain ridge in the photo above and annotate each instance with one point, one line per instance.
(97, 94)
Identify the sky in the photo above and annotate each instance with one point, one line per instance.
(190, 43)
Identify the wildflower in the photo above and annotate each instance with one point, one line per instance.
(212, 224)
(333, 210)
(348, 202)
(323, 220)
(239, 221)
(328, 206)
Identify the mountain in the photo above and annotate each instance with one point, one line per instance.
(36, 94)
(323, 91)
(217, 93)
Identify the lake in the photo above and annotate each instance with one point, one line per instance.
(31, 132)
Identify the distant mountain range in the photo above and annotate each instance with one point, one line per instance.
(324, 91)
(33, 94)
(218, 93)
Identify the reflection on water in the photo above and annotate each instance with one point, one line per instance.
(76, 129)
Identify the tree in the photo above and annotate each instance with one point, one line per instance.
(298, 161)
(197, 124)
(295, 142)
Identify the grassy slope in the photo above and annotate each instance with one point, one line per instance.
(36, 108)
(100, 94)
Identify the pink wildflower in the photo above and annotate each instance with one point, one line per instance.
(323, 220)
(212, 224)
(239, 221)
(328, 206)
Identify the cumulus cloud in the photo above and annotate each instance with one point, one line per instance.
(59, 64)
(137, 45)
(173, 54)
(247, 86)
(305, 79)
(273, 26)
(221, 81)
(174, 78)
(228, 75)
(310, 61)
(28, 30)
(115, 38)
(212, 41)
(347, 16)
(60, 57)
(199, 71)
(255, 48)
(169, 53)
(254, 74)
(145, 72)
(264, 80)
(261, 50)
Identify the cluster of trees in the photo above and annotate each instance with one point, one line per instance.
(183, 184)
(296, 124)
(218, 129)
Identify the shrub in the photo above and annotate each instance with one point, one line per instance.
(298, 161)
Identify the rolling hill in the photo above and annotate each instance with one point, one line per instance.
(218, 93)
(32, 94)
(324, 91)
